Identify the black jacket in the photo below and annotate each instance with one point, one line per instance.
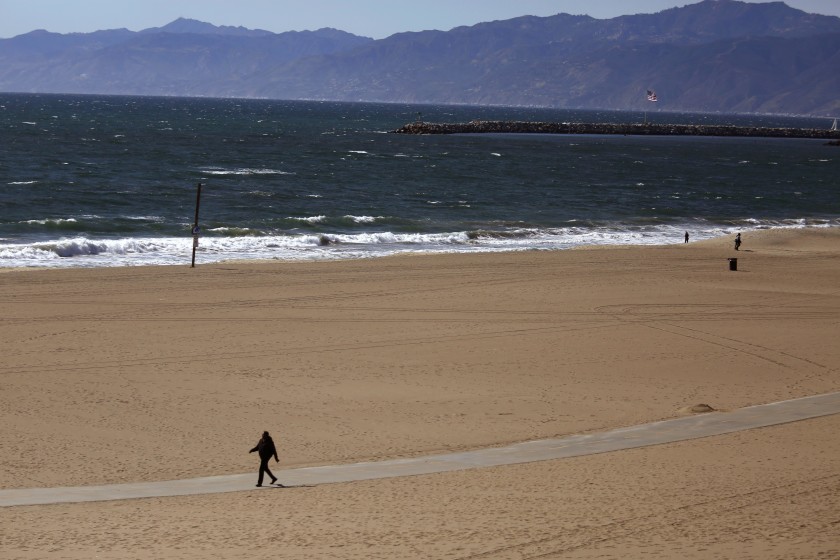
(266, 448)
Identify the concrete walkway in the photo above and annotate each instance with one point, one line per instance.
(666, 431)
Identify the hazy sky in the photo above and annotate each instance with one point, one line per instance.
(371, 18)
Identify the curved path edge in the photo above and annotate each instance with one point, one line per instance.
(655, 433)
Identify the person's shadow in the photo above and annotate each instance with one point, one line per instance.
(279, 486)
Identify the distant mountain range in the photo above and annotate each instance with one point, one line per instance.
(715, 55)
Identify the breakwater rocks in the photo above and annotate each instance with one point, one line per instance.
(648, 129)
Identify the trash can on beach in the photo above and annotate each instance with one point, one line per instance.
(733, 264)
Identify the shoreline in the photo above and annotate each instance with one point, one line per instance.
(624, 129)
(412, 253)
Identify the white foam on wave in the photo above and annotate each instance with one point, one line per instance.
(156, 219)
(83, 252)
(231, 230)
(362, 219)
(244, 171)
(308, 219)
(45, 221)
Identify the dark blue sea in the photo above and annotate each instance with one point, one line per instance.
(89, 181)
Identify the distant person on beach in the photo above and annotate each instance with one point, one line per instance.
(738, 242)
(265, 448)
(686, 237)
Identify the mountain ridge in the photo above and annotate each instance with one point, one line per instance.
(714, 55)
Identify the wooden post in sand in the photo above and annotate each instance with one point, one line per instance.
(196, 229)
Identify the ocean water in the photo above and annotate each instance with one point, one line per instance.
(89, 181)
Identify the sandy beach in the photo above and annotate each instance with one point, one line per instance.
(158, 373)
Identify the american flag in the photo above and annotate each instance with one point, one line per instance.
(651, 95)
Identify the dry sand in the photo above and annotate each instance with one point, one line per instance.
(143, 374)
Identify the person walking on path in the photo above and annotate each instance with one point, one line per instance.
(266, 449)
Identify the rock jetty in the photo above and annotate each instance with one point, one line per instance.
(648, 129)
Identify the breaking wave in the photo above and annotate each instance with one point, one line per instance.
(242, 244)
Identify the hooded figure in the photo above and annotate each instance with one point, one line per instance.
(266, 450)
